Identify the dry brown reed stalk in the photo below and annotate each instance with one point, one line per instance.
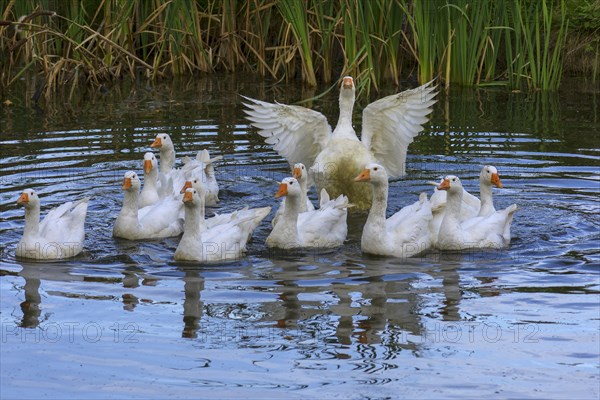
(376, 41)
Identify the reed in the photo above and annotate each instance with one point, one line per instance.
(470, 27)
(517, 43)
(427, 34)
(326, 17)
(294, 14)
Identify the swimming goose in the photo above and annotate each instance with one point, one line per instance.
(489, 176)
(152, 222)
(301, 174)
(224, 242)
(321, 228)
(201, 166)
(59, 235)
(404, 234)
(491, 231)
(471, 205)
(389, 125)
(256, 215)
(153, 189)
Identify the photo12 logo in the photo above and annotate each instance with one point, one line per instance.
(471, 332)
(70, 332)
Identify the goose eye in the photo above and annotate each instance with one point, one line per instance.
(375, 169)
(291, 183)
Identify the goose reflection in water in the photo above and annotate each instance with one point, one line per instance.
(34, 274)
(31, 305)
(367, 303)
(192, 305)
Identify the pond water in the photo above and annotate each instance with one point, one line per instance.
(123, 320)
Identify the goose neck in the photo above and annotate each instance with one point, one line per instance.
(167, 159)
(485, 194)
(130, 203)
(454, 204)
(287, 228)
(32, 220)
(292, 208)
(194, 220)
(304, 195)
(378, 204)
(344, 125)
(150, 179)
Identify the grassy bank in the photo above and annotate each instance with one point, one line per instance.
(516, 43)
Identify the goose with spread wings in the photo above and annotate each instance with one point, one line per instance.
(302, 135)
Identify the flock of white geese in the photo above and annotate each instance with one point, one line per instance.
(346, 171)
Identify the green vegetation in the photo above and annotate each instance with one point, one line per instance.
(583, 41)
(517, 43)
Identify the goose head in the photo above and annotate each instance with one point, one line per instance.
(299, 172)
(289, 187)
(131, 181)
(192, 183)
(347, 83)
(347, 90)
(451, 183)
(489, 176)
(28, 199)
(373, 173)
(150, 162)
(162, 141)
(191, 197)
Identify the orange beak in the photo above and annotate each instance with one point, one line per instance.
(282, 191)
(187, 196)
(496, 181)
(24, 199)
(297, 173)
(186, 185)
(347, 83)
(126, 183)
(157, 143)
(364, 176)
(445, 185)
(147, 166)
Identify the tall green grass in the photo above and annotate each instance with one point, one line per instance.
(535, 45)
(517, 43)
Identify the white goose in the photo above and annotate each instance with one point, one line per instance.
(59, 235)
(335, 158)
(404, 234)
(322, 228)
(255, 215)
(488, 176)
(301, 174)
(201, 166)
(153, 222)
(471, 205)
(225, 242)
(491, 231)
(153, 190)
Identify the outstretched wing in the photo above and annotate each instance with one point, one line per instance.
(296, 133)
(391, 123)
